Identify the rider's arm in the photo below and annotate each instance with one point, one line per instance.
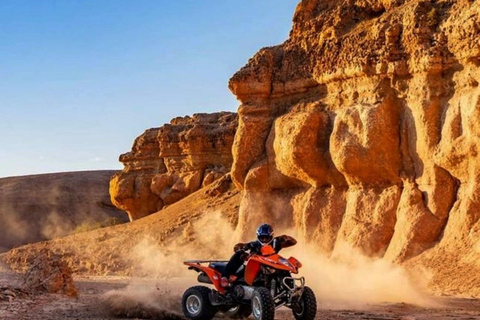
(284, 241)
(288, 241)
(254, 247)
(245, 246)
(239, 246)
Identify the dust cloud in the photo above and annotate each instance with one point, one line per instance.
(44, 207)
(14, 230)
(208, 238)
(160, 276)
(142, 300)
(33, 217)
(347, 279)
(350, 279)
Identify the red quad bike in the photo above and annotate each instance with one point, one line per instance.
(263, 284)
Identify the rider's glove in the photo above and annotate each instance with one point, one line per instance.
(240, 246)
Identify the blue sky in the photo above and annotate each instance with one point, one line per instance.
(82, 78)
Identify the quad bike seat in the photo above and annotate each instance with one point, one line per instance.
(219, 266)
(222, 267)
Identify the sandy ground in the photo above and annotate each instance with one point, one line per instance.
(109, 297)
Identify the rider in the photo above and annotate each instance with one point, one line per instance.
(264, 237)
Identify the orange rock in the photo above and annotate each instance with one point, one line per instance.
(318, 214)
(249, 144)
(294, 135)
(130, 188)
(48, 273)
(168, 163)
(364, 143)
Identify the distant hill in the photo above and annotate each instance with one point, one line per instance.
(197, 226)
(40, 207)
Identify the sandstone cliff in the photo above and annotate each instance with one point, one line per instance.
(168, 163)
(40, 207)
(363, 128)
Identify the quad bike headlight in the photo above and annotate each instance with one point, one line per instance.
(285, 262)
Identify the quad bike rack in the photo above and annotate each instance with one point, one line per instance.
(203, 261)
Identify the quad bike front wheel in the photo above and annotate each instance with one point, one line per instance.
(263, 305)
(306, 306)
(196, 304)
(240, 311)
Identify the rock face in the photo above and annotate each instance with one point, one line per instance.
(363, 128)
(168, 163)
(41, 207)
(48, 273)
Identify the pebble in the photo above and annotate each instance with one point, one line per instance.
(9, 293)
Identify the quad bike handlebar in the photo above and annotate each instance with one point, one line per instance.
(284, 241)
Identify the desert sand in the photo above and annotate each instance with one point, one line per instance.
(111, 297)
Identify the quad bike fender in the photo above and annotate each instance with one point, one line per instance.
(294, 262)
(274, 261)
(213, 274)
(251, 270)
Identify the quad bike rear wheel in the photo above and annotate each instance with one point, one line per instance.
(241, 311)
(263, 306)
(196, 304)
(306, 306)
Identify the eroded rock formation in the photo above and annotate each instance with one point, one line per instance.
(168, 163)
(363, 127)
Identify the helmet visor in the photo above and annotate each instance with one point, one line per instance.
(265, 238)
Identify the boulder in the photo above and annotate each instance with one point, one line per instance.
(49, 274)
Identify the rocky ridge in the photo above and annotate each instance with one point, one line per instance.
(168, 163)
(362, 128)
(41, 207)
